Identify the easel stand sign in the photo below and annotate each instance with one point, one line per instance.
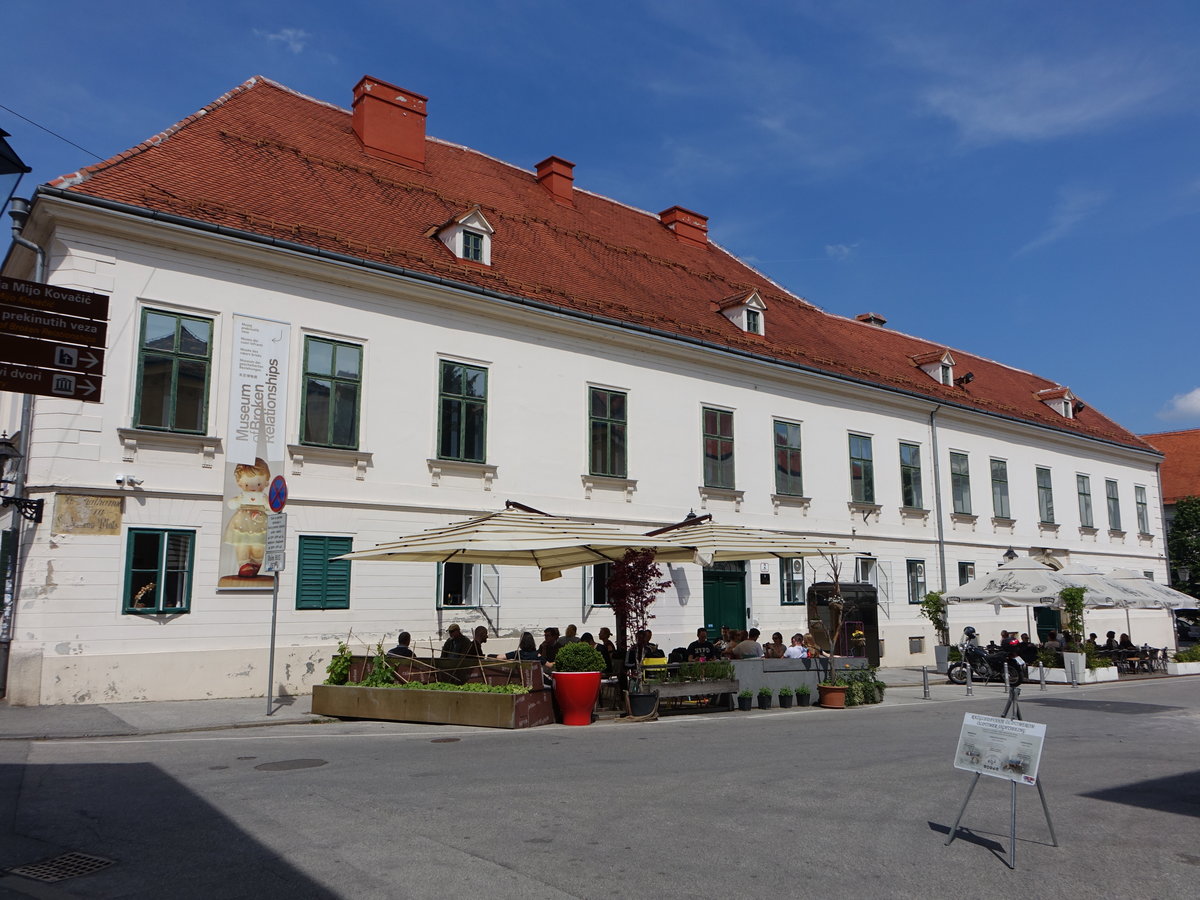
(1002, 748)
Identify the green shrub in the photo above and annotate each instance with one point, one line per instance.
(765, 691)
(854, 694)
(746, 694)
(804, 691)
(578, 656)
(338, 669)
(380, 673)
(465, 688)
(786, 692)
(1191, 654)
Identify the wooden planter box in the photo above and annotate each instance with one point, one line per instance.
(434, 707)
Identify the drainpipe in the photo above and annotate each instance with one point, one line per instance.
(19, 210)
(937, 498)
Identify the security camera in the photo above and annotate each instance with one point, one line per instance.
(121, 480)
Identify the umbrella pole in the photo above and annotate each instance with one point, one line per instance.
(1128, 627)
(1029, 624)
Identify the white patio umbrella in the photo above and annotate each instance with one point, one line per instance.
(1139, 592)
(521, 536)
(1022, 582)
(720, 543)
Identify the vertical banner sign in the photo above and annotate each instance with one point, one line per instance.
(256, 449)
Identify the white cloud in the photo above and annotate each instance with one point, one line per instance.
(1074, 204)
(295, 39)
(1183, 406)
(840, 252)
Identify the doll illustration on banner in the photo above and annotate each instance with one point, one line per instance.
(247, 529)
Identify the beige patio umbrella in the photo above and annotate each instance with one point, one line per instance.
(721, 543)
(521, 536)
(1139, 592)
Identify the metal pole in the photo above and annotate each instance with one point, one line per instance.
(1074, 675)
(1012, 833)
(1046, 810)
(1042, 675)
(925, 680)
(954, 830)
(271, 658)
(967, 661)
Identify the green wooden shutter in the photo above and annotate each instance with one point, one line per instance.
(323, 583)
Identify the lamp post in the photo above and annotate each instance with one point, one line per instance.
(29, 509)
(1010, 555)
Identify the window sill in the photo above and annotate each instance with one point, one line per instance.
(359, 459)
(608, 483)
(205, 445)
(778, 500)
(1051, 527)
(715, 493)
(1145, 536)
(866, 510)
(964, 518)
(1088, 530)
(1003, 522)
(439, 467)
(1116, 533)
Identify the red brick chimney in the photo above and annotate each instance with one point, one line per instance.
(689, 227)
(557, 176)
(390, 122)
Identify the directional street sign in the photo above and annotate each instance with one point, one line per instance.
(41, 328)
(31, 380)
(52, 326)
(51, 298)
(30, 352)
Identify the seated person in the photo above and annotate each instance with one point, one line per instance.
(526, 651)
(701, 649)
(475, 648)
(1126, 645)
(642, 648)
(1110, 641)
(797, 650)
(549, 647)
(1051, 642)
(810, 644)
(456, 644)
(747, 647)
(1090, 644)
(402, 648)
(776, 648)
(1027, 650)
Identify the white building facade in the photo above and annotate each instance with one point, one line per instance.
(412, 400)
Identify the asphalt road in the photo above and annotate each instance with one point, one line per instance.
(852, 803)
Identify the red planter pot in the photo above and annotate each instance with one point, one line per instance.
(576, 693)
(833, 696)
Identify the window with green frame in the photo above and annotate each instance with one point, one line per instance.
(472, 242)
(862, 469)
(910, 476)
(462, 412)
(718, 448)
(174, 363)
(789, 469)
(332, 388)
(1000, 489)
(606, 427)
(960, 483)
(1143, 509)
(1045, 492)
(1114, 505)
(1083, 487)
(791, 582)
(323, 582)
(158, 571)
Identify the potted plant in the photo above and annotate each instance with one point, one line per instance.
(1072, 603)
(804, 695)
(786, 696)
(831, 693)
(933, 608)
(764, 697)
(635, 583)
(745, 700)
(577, 670)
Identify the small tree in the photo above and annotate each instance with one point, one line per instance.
(933, 608)
(1183, 546)
(836, 606)
(634, 585)
(1072, 604)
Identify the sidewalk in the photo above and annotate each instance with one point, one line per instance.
(149, 717)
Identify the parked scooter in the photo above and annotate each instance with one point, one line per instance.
(985, 666)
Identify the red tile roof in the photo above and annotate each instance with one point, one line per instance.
(265, 159)
(1181, 468)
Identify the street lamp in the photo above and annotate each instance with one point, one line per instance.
(29, 509)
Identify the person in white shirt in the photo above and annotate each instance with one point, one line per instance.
(797, 650)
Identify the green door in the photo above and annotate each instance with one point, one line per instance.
(724, 597)
(1045, 620)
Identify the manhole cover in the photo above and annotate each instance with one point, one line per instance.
(445, 740)
(60, 868)
(285, 765)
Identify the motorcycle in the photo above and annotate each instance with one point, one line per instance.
(985, 666)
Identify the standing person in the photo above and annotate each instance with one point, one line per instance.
(402, 648)
(797, 650)
(456, 644)
(475, 648)
(701, 649)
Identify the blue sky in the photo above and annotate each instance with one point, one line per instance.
(1016, 179)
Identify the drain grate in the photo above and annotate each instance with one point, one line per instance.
(60, 868)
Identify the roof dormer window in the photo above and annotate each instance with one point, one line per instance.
(1061, 400)
(937, 364)
(745, 310)
(468, 236)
